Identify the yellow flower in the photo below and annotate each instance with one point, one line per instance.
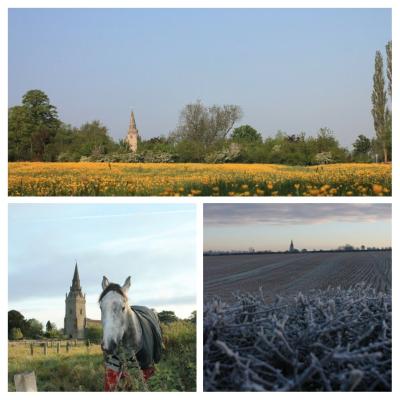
(377, 188)
(270, 185)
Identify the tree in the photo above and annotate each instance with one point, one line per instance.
(35, 328)
(167, 317)
(325, 140)
(389, 66)
(388, 111)
(378, 99)
(193, 317)
(16, 320)
(205, 126)
(16, 334)
(246, 134)
(32, 126)
(362, 148)
(50, 326)
(94, 333)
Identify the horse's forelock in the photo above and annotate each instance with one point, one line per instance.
(113, 287)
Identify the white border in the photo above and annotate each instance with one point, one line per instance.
(4, 200)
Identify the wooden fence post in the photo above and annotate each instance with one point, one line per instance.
(58, 347)
(31, 349)
(45, 348)
(25, 382)
(67, 347)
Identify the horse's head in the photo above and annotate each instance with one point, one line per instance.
(114, 311)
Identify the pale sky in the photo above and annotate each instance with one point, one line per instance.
(290, 69)
(154, 244)
(310, 226)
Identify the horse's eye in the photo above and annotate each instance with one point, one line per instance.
(123, 308)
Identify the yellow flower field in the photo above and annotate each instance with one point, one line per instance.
(129, 179)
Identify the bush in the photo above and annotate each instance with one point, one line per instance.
(226, 155)
(16, 334)
(94, 333)
(332, 340)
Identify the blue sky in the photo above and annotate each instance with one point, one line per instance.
(311, 226)
(154, 244)
(290, 69)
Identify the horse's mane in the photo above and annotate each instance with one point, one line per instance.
(113, 287)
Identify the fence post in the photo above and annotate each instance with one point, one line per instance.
(58, 347)
(67, 347)
(45, 348)
(25, 382)
(31, 349)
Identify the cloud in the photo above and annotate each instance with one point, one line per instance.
(288, 214)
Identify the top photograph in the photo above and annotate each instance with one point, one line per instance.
(200, 102)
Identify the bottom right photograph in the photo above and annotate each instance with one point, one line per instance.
(297, 297)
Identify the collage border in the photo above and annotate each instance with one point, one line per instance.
(198, 201)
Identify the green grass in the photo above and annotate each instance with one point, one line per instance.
(83, 370)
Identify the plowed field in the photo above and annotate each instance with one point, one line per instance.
(287, 274)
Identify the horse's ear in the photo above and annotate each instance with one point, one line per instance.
(127, 284)
(104, 283)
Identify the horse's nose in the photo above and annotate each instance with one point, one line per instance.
(110, 348)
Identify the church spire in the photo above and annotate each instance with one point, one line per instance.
(76, 284)
(132, 124)
(133, 133)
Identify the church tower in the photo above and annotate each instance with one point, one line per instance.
(133, 133)
(75, 309)
(291, 248)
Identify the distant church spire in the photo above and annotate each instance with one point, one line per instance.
(291, 248)
(76, 283)
(132, 124)
(133, 134)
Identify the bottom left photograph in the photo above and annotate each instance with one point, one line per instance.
(102, 297)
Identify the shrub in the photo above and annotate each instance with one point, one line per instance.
(16, 334)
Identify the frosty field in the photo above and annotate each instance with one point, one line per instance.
(322, 322)
(286, 274)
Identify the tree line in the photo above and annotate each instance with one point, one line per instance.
(203, 134)
(21, 328)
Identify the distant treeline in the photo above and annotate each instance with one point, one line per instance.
(343, 249)
(21, 328)
(203, 134)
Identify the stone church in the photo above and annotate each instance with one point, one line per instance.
(75, 321)
(133, 134)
